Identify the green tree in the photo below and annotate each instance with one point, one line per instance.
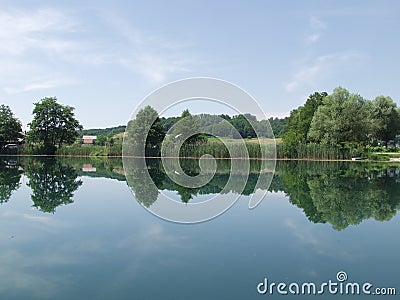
(101, 140)
(244, 124)
(300, 118)
(53, 125)
(342, 119)
(52, 183)
(299, 122)
(10, 127)
(186, 126)
(291, 141)
(145, 133)
(278, 125)
(385, 119)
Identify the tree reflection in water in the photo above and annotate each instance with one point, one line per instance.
(52, 182)
(10, 174)
(339, 193)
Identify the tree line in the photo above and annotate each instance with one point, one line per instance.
(191, 130)
(342, 120)
(331, 123)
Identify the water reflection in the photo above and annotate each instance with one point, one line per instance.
(52, 182)
(339, 193)
(10, 174)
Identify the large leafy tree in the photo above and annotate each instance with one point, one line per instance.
(385, 119)
(299, 122)
(300, 118)
(53, 125)
(10, 127)
(145, 132)
(342, 119)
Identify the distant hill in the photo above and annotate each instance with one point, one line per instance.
(110, 132)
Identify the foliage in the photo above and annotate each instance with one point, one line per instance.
(187, 129)
(167, 123)
(10, 127)
(300, 119)
(53, 125)
(299, 122)
(341, 119)
(384, 118)
(278, 126)
(243, 126)
(106, 132)
(145, 133)
(378, 157)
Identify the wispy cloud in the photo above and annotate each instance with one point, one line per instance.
(30, 42)
(47, 48)
(312, 38)
(22, 31)
(38, 84)
(321, 67)
(149, 55)
(316, 29)
(317, 24)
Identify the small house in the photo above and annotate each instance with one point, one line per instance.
(88, 168)
(89, 139)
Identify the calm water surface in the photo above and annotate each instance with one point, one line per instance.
(71, 229)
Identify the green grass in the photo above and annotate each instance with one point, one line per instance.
(91, 150)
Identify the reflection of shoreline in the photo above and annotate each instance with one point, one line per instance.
(340, 193)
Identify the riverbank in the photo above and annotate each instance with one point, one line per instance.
(395, 160)
(256, 149)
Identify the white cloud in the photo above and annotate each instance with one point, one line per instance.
(313, 38)
(317, 24)
(307, 76)
(22, 31)
(28, 41)
(45, 49)
(317, 27)
(319, 68)
(37, 85)
(149, 55)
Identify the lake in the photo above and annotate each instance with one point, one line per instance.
(71, 228)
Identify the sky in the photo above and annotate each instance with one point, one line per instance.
(105, 57)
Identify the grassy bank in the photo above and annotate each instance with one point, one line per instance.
(92, 150)
(217, 148)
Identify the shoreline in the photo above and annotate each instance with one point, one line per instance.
(191, 157)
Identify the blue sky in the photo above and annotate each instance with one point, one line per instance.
(104, 57)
